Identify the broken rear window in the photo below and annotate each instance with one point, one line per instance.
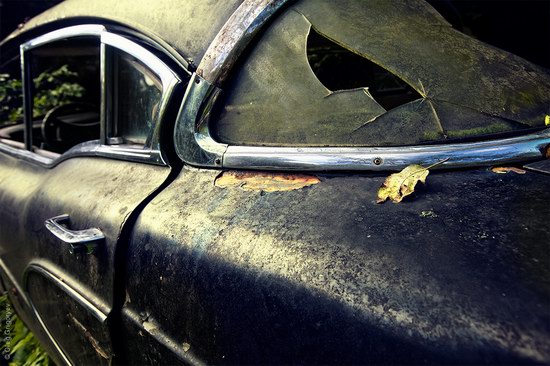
(376, 73)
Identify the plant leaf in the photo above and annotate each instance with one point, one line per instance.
(399, 185)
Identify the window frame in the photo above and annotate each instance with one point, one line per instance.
(196, 146)
(108, 145)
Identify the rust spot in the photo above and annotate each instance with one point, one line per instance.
(266, 182)
(507, 169)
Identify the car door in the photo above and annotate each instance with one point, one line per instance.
(67, 205)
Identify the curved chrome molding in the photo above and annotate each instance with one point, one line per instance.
(68, 32)
(99, 314)
(192, 139)
(234, 36)
(167, 76)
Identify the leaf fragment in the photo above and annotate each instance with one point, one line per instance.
(399, 185)
(507, 169)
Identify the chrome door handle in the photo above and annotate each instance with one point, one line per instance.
(80, 241)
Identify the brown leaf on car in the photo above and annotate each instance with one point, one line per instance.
(507, 169)
(266, 182)
(399, 185)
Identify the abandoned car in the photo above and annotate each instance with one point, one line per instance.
(196, 182)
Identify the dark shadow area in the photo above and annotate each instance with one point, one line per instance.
(15, 12)
(521, 27)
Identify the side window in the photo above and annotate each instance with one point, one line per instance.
(353, 73)
(66, 93)
(137, 98)
(64, 80)
(84, 83)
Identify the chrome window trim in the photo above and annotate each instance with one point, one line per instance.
(63, 33)
(168, 78)
(103, 147)
(196, 146)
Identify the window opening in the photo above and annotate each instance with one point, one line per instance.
(65, 93)
(138, 93)
(338, 68)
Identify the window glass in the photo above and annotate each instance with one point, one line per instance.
(138, 94)
(65, 93)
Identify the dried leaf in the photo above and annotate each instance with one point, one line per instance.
(399, 185)
(266, 182)
(507, 169)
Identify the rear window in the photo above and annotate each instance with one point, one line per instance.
(376, 73)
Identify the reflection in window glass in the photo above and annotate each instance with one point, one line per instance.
(138, 93)
(65, 95)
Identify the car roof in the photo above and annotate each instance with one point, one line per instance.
(187, 26)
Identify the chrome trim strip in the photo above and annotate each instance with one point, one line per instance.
(234, 36)
(25, 155)
(166, 75)
(66, 288)
(90, 149)
(68, 32)
(75, 295)
(105, 69)
(492, 152)
(27, 87)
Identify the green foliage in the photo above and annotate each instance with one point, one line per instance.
(18, 344)
(52, 88)
(55, 88)
(11, 100)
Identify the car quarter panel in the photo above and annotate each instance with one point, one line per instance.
(324, 275)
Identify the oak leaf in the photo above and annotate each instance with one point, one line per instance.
(399, 185)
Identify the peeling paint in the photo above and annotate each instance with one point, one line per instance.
(94, 343)
(507, 169)
(264, 182)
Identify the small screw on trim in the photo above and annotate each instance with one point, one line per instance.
(377, 161)
(218, 161)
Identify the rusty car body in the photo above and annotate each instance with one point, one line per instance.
(211, 198)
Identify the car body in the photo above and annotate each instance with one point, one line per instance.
(169, 237)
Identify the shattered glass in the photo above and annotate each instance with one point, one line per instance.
(465, 88)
